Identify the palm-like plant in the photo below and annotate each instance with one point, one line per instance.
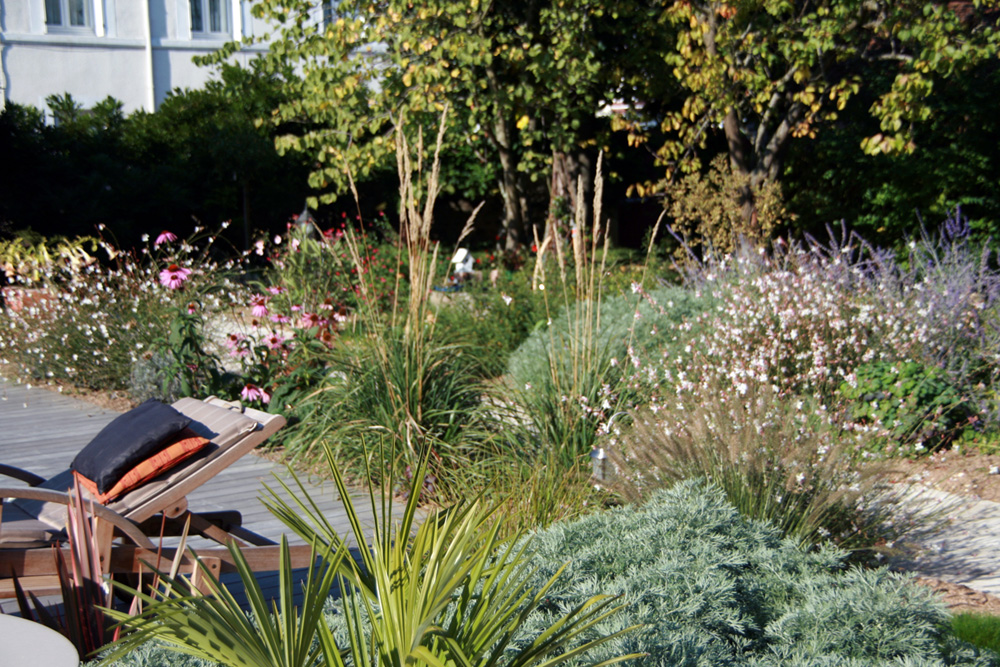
(451, 593)
(215, 628)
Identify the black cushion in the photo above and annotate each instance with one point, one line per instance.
(129, 439)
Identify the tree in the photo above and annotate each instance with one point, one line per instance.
(884, 196)
(199, 156)
(765, 72)
(522, 81)
(207, 155)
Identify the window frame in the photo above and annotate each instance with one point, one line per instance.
(64, 27)
(205, 32)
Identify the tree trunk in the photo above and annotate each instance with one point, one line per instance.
(513, 207)
(513, 223)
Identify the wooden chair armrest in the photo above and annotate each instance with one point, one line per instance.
(29, 478)
(123, 525)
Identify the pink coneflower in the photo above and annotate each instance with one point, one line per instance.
(252, 392)
(192, 308)
(280, 319)
(164, 237)
(236, 342)
(174, 276)
(274, 341)
(276, 289)
(258, 305)
(310, 320)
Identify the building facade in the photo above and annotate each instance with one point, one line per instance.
(136, 51)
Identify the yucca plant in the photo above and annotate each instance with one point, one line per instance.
(214, 627)
(451, 591)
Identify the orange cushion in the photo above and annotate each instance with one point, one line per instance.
(184, 445)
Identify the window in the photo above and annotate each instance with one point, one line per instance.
(209, 16)
(67, 14)
(327, 12)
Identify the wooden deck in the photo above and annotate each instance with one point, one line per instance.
(41, 431)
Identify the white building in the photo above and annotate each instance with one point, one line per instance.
(133, 50)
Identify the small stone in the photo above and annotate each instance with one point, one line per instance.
(995, 470)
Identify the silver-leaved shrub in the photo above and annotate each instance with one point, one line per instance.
(711, 588)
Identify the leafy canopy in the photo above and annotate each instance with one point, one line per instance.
(769, 71)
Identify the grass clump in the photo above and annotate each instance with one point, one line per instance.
(981, 630)
(785, 462)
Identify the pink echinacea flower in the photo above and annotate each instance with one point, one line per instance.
(252, 392)
(174, 276)
(274, 341)
(258, 305)
(165, 237)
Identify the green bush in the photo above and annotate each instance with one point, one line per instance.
(492, 322)
(711, 588)
(914, 402)
(658, 312)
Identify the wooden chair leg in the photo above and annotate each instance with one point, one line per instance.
(103, 536)
(198, 579)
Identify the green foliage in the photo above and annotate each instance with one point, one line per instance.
(711, 588)
(493, 64)
(200, 155)
(758, 77)
(190, 370)
(981, 630)
(659, 311)
(914, 402)
(449, 591)
(491, 322)
(885, 197)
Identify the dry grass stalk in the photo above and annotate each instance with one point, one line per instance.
(774, 461)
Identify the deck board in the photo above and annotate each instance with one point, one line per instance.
(41, 431)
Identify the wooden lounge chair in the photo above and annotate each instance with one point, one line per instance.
(32, 520)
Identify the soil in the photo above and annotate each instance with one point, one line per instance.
(961, 599)
(964, 473)
(119, 401)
